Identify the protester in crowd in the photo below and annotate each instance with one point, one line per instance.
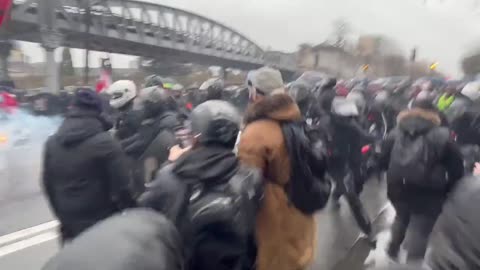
(286, 237)
(214, 88)
(423, 165)
(456, 237)
(136, 239)
(465, 115)
(208, 194)
(148, 147)
(85, 176)
(327, 94)
(122, 95)
(447, 98)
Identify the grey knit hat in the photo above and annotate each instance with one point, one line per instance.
(267, 81)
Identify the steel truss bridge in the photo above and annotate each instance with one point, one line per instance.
(135, 28)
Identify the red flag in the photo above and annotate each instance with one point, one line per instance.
(105, 79)
(5, 6)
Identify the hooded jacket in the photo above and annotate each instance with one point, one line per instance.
(137, 239)
(149, 147)
(285, 236)
(137, 144)
(192, 193)
(84, 173)
(465, 121)
(447, 166)
(325, 99)
(128, 121)
(455, 239)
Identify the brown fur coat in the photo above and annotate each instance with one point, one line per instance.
(285, 236)
(428, 115)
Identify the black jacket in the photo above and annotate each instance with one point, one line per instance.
(128, 122)
(448, 166)
(455, 240)
(136, 240)
(217, 233)
(326, 98)
(136, 145)
(348, 138)
(84, 173)
(149, 147)
(466, 124)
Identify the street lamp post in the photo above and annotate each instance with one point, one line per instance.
(87, 20)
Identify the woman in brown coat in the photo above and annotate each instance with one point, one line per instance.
(285, 236)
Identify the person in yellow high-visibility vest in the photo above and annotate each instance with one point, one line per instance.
(446, 100)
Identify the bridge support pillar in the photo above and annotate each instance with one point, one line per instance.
(5, 47)
(224, 73)
(51, 40)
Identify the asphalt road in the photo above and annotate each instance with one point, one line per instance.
(22, 204)
(336, 232)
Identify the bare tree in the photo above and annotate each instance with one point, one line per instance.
(341, 29)
(67, 63)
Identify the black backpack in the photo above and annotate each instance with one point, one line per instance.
(415, 156)
(307, 189)
(222, 217)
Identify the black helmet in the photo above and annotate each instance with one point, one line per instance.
(153, 80)
(215, 122)
(328, 83)
(214, 88)
(299, 91)
(154, 101)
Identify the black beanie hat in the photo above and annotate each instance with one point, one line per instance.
(88, 99)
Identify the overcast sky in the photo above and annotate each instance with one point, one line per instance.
(443, 30)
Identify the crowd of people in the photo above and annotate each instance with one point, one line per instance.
(154, 179)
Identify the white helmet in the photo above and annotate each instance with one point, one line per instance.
(472, 91)
(121, 92)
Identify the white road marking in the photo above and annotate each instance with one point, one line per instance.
(30, 242)
(379, 257)
(26, 233)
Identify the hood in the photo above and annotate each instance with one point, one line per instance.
(417, 121)
(79, 126)
(279, 107)
(135, 239)
(136, 145)
(210, 165)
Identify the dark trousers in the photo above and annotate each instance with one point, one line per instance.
(346, 184)
(419, 226)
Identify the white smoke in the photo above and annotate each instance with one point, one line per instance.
(22, 127)
(23, 137)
